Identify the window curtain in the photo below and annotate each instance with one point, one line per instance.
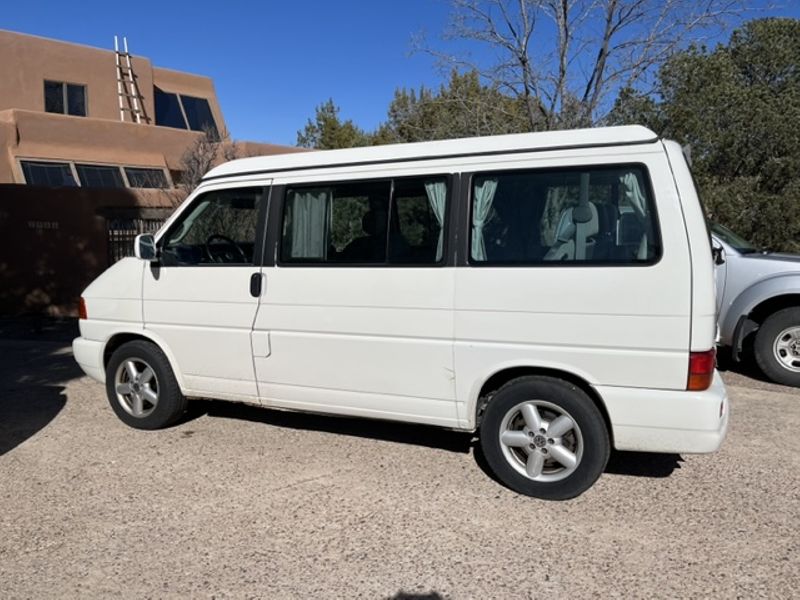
(437, 197)
(633, 194)
(481, 205)
(309, 209)
(636, 200)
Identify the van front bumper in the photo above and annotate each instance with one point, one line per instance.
(668, 421)
(89, 356)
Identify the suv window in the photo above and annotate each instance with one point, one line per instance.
(375, 222)
(218, 228)
(595, 215)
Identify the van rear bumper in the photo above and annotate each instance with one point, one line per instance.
(89, 356)
(668, 421)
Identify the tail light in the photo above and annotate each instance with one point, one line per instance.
(701, 370)
(82, 309)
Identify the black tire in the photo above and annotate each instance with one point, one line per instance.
(763, 348)
(171, 403)
(568, 399)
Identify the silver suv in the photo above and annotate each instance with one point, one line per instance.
(758, 294)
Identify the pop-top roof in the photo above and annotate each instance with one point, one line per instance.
(519, 142)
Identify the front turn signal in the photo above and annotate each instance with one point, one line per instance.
(82, 309)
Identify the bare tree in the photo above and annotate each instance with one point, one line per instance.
(208, 150)
(565, 58)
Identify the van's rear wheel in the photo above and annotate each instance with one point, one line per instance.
(777, 346)
(544, 437)
(142, 388)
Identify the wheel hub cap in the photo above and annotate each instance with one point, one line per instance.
(787, 349)
(136, 387)
(541, 441)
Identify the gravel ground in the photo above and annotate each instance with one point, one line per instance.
(240, 501)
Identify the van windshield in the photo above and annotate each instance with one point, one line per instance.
(729, 237)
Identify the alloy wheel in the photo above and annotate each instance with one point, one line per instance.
(541, 441)
(136, 387)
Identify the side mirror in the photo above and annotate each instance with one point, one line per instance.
(144, 247)
(718, 253)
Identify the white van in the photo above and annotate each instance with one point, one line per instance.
(552, 292)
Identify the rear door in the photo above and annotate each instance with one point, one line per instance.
(198, 298)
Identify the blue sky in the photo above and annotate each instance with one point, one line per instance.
(272, 61)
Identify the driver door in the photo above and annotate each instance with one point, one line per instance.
(198, 298)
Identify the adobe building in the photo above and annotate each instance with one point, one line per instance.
(91, 148)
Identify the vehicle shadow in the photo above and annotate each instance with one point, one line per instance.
(746, 372)
(745, 366)
(36, 364)
(389, 431)
(636, 464)
(643, 464)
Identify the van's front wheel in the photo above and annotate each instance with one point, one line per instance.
(544, 437)
(142, 388)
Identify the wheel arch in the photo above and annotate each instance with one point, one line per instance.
(783, 287)
(751, 320)
(767, 307)
(505, 374)
(119, 338)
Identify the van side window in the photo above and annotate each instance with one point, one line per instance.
(218, 228)
(377, 222)
(596, 215)
(419, 207)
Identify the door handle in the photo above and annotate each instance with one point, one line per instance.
(255, 285)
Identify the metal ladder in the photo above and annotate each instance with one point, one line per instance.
(130, 100)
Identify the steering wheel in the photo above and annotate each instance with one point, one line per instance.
(226, 253)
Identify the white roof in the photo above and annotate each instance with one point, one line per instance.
(519, 142)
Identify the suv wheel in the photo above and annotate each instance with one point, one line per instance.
(544, 437)
(777, 346)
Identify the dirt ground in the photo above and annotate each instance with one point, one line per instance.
(240, 501)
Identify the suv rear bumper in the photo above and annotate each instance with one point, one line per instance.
(89, 356)
(668, 421)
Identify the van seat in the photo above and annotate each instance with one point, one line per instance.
(570, 236)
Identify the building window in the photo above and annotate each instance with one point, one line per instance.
(168, 109)
(99, 176)
(198, 113)
(178, 177)
(51, 174)
(65, 98)
(145, 178)
(184, 112)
